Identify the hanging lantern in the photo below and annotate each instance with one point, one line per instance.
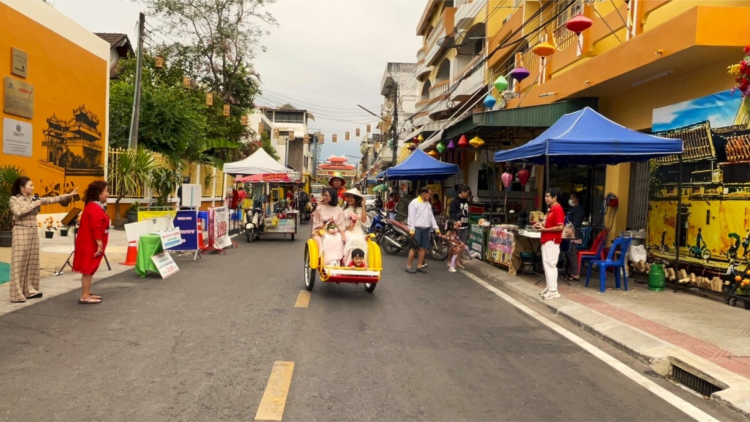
(346, 136)
(451, 145)
(226, 110)
(544, 49)
(306, 139)
(440, 147)
(335, 138)
(433, 154)
(209, 99)
(507, 179)
(463, 142)
(243, 120)
(578, 24)
(420, 138)
(489, 101)
(159, 62)
(519, 73)
(186, 82)
(368, 128)
(501, 84)
(523, 176)
(357, 132)
(411, 147)
(476, 142)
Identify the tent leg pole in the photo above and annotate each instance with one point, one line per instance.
(678, 229)
(546, 173)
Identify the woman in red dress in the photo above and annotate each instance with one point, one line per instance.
(91, 242)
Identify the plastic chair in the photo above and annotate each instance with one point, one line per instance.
(595, 252)
(617, 266)
(585, 237)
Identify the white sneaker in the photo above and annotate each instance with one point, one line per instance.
(451, 270)
(544, 292)
(551, 295)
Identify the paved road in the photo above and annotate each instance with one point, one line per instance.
(201, 346)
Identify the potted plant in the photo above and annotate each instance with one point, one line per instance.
(164, 182)
(129, 173)
(8, 175)
(49, 222)
(63, 229)
(133, 212)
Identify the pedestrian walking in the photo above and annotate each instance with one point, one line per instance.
(24, 260)
(551, 238)
(91, 242)
(421, 222)
(459, 212)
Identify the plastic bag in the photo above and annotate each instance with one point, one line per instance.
(638, 253)
(569, 232)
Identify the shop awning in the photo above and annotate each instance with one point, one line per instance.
(258, 163)
(420, 166)
(536, 116)
(587, 137)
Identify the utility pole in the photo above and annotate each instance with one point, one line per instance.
(395, 121)
(137, 96)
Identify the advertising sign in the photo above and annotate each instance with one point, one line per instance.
(187, 223)
(500, 245)
(476, 240)
(18, 98)
(218, 220)
(170, 238)
(165, 264)
(282, 226)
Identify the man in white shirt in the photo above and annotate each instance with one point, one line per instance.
(421, 221)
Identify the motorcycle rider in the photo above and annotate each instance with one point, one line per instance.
(459, 212)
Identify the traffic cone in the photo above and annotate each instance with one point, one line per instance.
(132, 253)
(201, 244)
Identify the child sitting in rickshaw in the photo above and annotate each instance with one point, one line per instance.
(332, 244)
(358, 259)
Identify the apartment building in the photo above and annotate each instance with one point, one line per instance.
(288, 129)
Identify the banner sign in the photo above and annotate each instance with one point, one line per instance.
(218, 227)
(187, 223)
(501, 245)
(151, 215)
(165, 264)
(282, 226)
(170, 238)
(476, 240)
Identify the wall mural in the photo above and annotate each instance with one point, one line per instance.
(715, 183)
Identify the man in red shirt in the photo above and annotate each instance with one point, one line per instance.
(551, 238)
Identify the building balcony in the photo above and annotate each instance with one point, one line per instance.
(423, 70)
(468, 86)
(420, 55)
(431, 47)
(439, 89)
(467, 11)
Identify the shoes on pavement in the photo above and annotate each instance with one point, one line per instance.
(421, 270)
(411, 271)
(544, 292)
(451, 269)
(36, 296)
(459, 265)
(551, 295)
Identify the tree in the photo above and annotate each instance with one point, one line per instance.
(248, 148)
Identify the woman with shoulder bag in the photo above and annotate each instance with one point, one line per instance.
(24, 261)
(575, 219)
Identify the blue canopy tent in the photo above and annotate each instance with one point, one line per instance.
(585, 137)
(420, 166)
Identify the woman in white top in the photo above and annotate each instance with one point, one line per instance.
(356, 224)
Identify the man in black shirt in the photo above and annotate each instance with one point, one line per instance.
(459, 211)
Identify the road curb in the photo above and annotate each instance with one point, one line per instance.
(660, 355)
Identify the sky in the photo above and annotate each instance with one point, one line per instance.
(326, 56)
(720, 109)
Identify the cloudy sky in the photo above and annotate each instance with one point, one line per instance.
(325, 56)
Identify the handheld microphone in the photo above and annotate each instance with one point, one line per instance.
(36, 198)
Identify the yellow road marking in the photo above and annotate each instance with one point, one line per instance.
(274, 398)
(303, 299)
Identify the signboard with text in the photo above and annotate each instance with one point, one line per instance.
(476, 241)
(17, 137)
(170, 238)
(187, 223)
(165, 264)
(218, 222)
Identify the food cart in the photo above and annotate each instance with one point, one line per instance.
(276, 215)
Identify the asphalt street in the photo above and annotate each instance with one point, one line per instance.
(201, 345)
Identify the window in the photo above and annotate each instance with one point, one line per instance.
(566, 9)
(289, 117)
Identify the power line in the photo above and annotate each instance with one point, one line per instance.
(265, 90)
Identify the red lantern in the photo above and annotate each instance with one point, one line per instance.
(523, 176)
(578, 24)
(463, 142)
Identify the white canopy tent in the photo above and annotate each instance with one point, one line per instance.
(258, 163)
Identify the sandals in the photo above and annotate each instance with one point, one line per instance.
(571, 278)
(89, 301)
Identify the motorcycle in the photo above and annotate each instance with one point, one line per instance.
(378, 225)
(254, 224)
(396, 239)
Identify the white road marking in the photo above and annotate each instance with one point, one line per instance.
(639, 379)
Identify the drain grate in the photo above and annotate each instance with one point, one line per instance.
(693, 382)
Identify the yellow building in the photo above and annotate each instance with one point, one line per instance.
(55, 86)
(638, 56)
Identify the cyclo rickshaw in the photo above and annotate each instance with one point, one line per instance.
(368, 276)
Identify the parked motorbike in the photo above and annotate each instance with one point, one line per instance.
(396, 238)
(254, 224)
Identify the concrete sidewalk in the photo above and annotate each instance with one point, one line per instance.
(704, 337)
(52, 255)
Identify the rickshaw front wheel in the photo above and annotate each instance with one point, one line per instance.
(309, 271)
